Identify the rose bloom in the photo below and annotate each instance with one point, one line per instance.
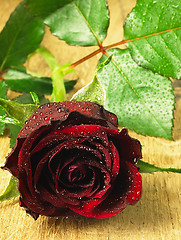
(70, 158)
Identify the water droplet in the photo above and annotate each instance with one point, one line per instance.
(133, 198)
(34, 116)
(46, 118)
(138, 193)
(49, 105)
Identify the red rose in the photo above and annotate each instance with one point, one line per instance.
(70, 158)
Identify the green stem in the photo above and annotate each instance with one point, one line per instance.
(49, 58)
(58, 73)
(59, 92)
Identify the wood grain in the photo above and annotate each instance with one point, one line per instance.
(156, 216)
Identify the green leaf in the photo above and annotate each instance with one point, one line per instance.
(145, 167)
(82, 23)
(3, 91)
(69, 85)
(21, 35)
(20, 112)
(11, 190)
(23, 82)
(5, 119)
(18, 80)
(93, 92)
(44, 8)
(142, 100)
(157, 25)
(27, 99)
(14, 130)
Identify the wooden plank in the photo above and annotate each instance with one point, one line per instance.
(158, 213)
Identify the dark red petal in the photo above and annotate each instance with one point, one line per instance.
(118, 198)
(115, 161)
(130, 147)
(33, 203)
(24, 162)
(11, 163)
(28, 211)
(50, 197)
(87, 163)
(91, 131)
(107, 158)
(49, 112)
(67, 145)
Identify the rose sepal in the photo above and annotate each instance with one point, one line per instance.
(19, 112)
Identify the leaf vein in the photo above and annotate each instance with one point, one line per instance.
(171, 51)
(138, 96)
(142, 55)
(86, 21)
(12, 43)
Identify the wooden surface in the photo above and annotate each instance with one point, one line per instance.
(156, 216)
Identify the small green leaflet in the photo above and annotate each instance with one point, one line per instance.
(27, 99)
(11, 190)
(21, 35)
(5, 119)
(3, 90)
(157, 25)
(44, 8)
(17, 111)
(82, 23)
(142, 100)
(145, 167)
(18, 80)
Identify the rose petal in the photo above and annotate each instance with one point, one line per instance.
(127, 190)
(33, 203)
(49, 112)
(131, 148)
(11, 163)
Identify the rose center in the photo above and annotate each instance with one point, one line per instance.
(74, 174)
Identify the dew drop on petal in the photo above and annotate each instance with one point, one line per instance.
(133, 198)
(138, 193)
(46, 118)
(34, 116)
